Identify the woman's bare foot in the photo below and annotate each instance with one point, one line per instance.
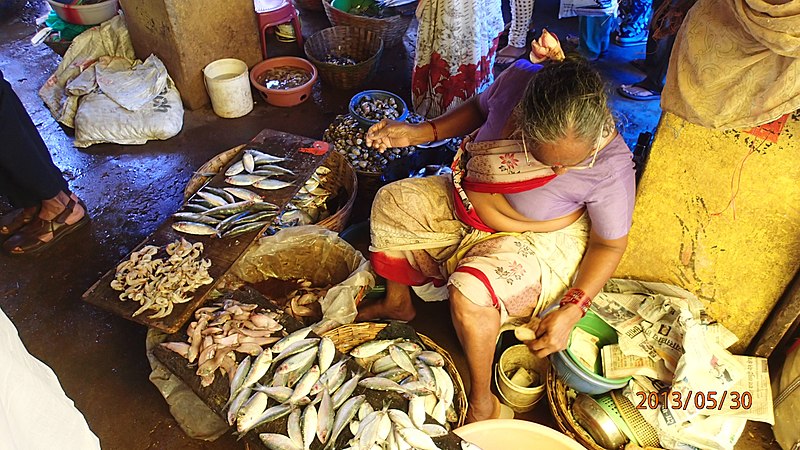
(483, 409)
(396, 305)
(508, 54)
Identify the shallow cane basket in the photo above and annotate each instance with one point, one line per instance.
(348, 337)
(342, 176)
(360, 44)
(391, 29)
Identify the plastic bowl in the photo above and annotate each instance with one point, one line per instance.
(85, 14)
(366, 123)
(514, 434)
(283, 97)
(574, 375)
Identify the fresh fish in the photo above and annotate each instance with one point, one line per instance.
(305, 384)
(433, 430)
(231, 208)
(469, 446)
(273, 413)
(309, 424)
(381, 384)
(345, 414)
(278, 393)
(327, 351)
(228, 222)
(259, 368)
(412, 348)
(220, 192)
(400, 443)
(431, 358)
(238, 379)
(444, 386)
(250, 412)
(367, 430)
(271, 185)
(265, 158)
(450, 414)
(325, 417)
(264, 206)
(236, 404)
(440, 412)
(280, 379)
(244, 180)
(215, 200)
(195, 217)
(400, 418)
(371, 348)
(278, 170)
(430, 402)
(235, 169)
(344, 392)
(290, 338)
(294, 429)
(332, 378)
(417, 388)
(377, 429)
(275, 441)
(383, 364)
(354, 426)
(257, 217)
(395, 374)
(418, 439)
(401, 358)
(195, 208)
(424, 373)
(416, 411)
(297, 347)
(243, 194)
(248, 162)
(296, 361)
(241, 229)
(198, 229)
(364, 410)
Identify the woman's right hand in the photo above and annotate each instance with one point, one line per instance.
(391, 133)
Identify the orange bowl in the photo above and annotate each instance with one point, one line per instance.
(283, 97)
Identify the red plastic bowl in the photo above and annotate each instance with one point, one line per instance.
(283, 97)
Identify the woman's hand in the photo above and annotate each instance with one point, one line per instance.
(391, 133)
(552, 335)
(547, 47)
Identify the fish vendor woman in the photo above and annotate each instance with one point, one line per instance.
(536, 212)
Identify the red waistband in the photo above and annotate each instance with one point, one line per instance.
(506, 188)
(468, 217)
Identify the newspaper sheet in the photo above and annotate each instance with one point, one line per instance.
(619, 365)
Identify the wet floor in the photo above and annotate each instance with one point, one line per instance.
(130, 190)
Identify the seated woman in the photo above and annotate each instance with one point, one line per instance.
(537, 212)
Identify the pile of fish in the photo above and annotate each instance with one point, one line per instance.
(374, 108)
(285, 77)
(342, 60)
(347, 136)
(222, 329)
(303, 303)
(308, 206)
(236, 209)
(158, 283)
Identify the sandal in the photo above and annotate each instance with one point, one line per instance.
(636, 92)
(27, 239)
(11, 222)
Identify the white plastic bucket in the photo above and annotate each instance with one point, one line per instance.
(228, 85)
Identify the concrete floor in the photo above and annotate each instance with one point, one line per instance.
(130, 190)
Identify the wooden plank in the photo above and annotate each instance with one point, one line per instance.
(780, 321)
(223, 253)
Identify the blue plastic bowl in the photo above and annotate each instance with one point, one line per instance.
(366, 123)
(574, 375)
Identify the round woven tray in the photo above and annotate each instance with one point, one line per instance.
(360, 44)
(342, 176)
(391, 29)
(348, 337)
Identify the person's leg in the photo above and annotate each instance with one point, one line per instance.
(656, 65)
(595, 36)
(396, 305)
(521, 13)
(477, 328)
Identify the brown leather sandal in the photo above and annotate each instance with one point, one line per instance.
(11, 222)
(27, 239)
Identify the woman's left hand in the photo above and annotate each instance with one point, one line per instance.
(554, 329)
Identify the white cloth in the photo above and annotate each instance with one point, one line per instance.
(35, 413)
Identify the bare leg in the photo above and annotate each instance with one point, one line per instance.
(477, 328)
(396, 305)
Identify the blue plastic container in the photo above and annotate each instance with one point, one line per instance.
(366, 123)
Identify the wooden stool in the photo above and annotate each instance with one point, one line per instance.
(275, 12)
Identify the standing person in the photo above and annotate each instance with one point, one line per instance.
(45, 210)
(537, 212)
(521, 15)
(635, 17)
(594, 34)
(456, 45)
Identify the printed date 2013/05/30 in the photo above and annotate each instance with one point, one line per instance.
(696, 399)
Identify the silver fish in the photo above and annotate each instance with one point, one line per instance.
(401, 358)
(417, 388)
(309, 424)
(424, 373)
(264, 206)
(231, 208)
(298, 360)
(241, 229)
(332, 378)
(257, 217)
(344, 392)
(236, 404)
(280, 379)
(275, 441)
(244, 180)
(305, 384)
(395, 374)
(416, 411)
(244, 194)
(238, 379)
(228, 222)
(290, 338)
(261, 157)
(297, 347)
(248, 162)
(294, 429)
(343, 417)
(273, 413)
(327, 351)
(444, 385)
(364, 410)
(277, 169)
(215, 200)
(235, 169)
(378, 431)
(195, 208)
(450, 414)
(259, 368)
(400, 418)
(220, 192)
(250, 412)
(271, 185)
(400, 443)
(418, 439)
(433, 430)
(196, 217)
(440, 412)
(198, 229)
(381, 384)
(278, 393)
(383, 364)
(325, 417)
(431, 358)
(371, 348)
(412, 348)
(469, 446)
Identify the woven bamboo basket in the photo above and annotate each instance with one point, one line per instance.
(311, 5)
(391, 29)
(342, 176)
(348, 337)
(360, 44)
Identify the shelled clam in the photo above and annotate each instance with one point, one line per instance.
(378, 108)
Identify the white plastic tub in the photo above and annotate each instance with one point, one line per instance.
(85, 14)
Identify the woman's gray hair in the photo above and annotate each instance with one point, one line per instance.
(563, 97)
